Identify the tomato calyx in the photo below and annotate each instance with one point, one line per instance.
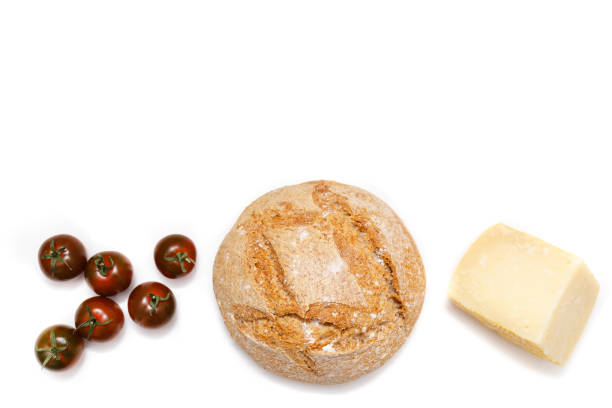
(101, 265)
(155, 301)
(53, 352)
(55, 256)
(181, 258)
(92, 323)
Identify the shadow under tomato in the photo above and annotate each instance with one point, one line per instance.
(59, 284)
(121, 297)
(69, 372)
(156, 332)
(177, 282)
(105, 346)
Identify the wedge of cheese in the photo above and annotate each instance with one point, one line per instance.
(532, 293)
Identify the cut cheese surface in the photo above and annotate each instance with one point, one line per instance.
(529, 291)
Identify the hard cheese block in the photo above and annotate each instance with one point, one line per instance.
(532, 293)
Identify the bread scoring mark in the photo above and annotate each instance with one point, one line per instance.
(366, 234)
(323, 326)
(268, 273)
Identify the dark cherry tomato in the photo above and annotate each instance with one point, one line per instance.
(175, 256)
(151, 304)
(58, 347)
(62, 257)
(99, 319)
(108, 273)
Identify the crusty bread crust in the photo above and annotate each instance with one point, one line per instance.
(319, 282)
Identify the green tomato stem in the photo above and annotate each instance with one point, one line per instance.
(53, 352)
(101, 265)
(92, 323)
(155, 301)
(55, 256)
(181, 258)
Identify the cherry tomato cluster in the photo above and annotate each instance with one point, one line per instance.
(99, 318)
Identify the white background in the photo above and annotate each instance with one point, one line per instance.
(122, 121)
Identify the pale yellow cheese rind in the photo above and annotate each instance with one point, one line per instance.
(532, 293)
(570, 316)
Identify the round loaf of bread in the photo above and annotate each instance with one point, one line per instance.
(319, 282)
